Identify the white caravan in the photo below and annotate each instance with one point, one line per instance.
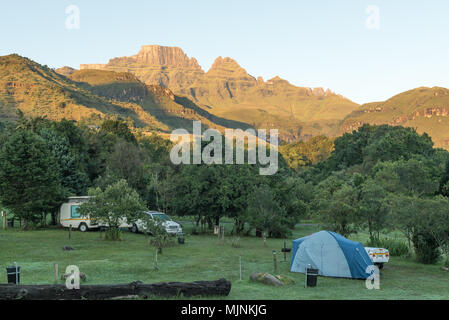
(70, 216)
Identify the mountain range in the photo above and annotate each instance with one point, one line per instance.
(160, 89)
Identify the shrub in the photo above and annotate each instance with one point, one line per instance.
(159, 236)
(426, 248)
(235, 242)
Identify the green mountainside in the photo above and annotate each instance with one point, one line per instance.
(426, 109)
(92, 95)
(39, 91)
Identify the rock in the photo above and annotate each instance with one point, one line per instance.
(266, 278)
(256, 276)
(67, 248)
(285, 280)
(445, 268)
(82, 276)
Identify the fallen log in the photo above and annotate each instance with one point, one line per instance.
(220, 287)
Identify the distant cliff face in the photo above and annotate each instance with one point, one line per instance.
(156, 65)
(172, 68)
(165, 56)
(152, 56)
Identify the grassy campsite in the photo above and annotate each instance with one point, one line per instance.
(204, 257)
(361, 186)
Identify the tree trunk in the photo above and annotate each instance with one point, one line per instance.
(210, 224)
(220, 287)
(53, 218)
(198, 221)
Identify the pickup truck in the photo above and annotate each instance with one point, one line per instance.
(379, 256)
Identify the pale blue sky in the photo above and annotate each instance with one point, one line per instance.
(309, 43)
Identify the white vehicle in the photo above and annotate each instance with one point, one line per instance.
(379, 256)
(171, 227)
(70, 216)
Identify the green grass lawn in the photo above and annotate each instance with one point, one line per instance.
(202, 257)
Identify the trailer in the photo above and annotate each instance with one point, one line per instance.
(379, 256)
(69, 216)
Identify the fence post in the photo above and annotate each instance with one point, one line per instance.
(275, 262)
(156, 268)
(4, 220)
(56, 273)
(240, 262)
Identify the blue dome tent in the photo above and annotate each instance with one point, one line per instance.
(332, 254)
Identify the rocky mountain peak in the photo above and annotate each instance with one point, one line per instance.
(151, 56)
(165, 56)
(228, 68)
(225, 63)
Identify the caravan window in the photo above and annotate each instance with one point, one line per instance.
(74, 213)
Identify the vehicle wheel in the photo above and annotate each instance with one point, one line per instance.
(134, 228)
(379, 265)
(83, 227)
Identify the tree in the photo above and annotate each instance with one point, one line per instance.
(433, 224)
(373, 208)
(312, 151)
(265, 213)
(74, 179)
(371, 144)
(118, 128)
(426, 247)
(444, 182)
(159, 237)
(423, 222)
(29, 184)
(404, 215)
(337, 203)
(99, 146)
(111, 206)
(236, 183)
(163, 186)
(198, 191)
(294, 196)
(401, 177)
(125, 162)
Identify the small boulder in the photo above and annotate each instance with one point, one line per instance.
(285, 280)
(266, 278)
(67, 248)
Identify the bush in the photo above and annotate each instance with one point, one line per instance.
(159, 236)
(426, 248)
(235, 242)
(396, 248)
